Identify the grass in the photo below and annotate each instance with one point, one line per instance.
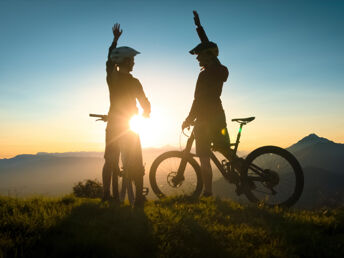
(174, 227)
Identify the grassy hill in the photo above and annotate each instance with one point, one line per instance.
(175, 227)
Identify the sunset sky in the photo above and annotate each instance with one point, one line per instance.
(285, 59)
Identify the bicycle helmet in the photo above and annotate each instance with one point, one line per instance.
(210, 46)
(120, 53)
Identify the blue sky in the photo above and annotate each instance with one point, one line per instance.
(285, 58)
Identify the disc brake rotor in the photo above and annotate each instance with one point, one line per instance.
(171, 180)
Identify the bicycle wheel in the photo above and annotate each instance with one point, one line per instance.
(272, 175)
(164, 170)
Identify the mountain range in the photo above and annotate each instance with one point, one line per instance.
(56, 173)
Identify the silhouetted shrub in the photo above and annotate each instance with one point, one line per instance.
(89, 189)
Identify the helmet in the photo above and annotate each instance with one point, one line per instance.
(210, 46)
(120, 53)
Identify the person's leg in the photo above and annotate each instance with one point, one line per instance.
(131, 197)
(110, 168)
(137, 169)
(107, 169)
(123, 190)
(115, 174)
(132, 162)
(203, 141)
(207, 174)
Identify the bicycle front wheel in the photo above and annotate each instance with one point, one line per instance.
(272, 175)
(163, 172)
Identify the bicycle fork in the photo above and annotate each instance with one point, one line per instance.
(179, 178)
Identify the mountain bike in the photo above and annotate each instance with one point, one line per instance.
(126, 184)
(268, 174)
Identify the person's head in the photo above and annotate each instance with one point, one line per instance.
(206, 58)
(123, 57)
(127, 64)
(206, 53)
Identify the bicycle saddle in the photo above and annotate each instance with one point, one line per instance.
(243, 120)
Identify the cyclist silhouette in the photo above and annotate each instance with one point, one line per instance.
(207, 112)
(124, 90)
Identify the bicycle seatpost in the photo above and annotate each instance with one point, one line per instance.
(238, 137)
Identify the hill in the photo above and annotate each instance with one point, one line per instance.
(317, 152)
(54, 174)
(175, 227)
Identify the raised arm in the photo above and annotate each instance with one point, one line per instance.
(200, 31)
(110, 65)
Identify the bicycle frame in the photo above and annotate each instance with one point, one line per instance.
(219, 165)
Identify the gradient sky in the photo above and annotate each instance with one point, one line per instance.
(285, 59)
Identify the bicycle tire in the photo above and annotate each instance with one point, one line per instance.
(156, 177)
(275, 158)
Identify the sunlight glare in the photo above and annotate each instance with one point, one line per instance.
(149, 129)
(138, 124)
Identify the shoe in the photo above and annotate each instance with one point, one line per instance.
(115, 200)
(140, 202)
(206, 194)
(106, 197)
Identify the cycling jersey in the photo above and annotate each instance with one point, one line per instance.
(207, 105)
(124, 90)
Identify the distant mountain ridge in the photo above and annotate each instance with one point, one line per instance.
(55, 173)
(319, 152)
(313, 138)
(81, 153)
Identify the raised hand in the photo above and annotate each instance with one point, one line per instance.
(117, 32)
(196, 19)
(146, 112)
(185, 124)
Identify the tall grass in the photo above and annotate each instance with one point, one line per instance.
(174, 227)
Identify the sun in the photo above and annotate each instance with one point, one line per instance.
(148, 128)
(139, 124)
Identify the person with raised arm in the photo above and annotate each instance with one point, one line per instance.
(124, 90)
(206, 112)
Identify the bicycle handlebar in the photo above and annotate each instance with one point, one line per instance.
(102, 117)
(188, 127)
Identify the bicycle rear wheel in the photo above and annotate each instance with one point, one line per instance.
(164, 170)
(272, 175)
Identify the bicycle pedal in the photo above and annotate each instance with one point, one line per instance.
(145, 191)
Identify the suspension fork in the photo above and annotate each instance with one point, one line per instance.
(186, 153)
